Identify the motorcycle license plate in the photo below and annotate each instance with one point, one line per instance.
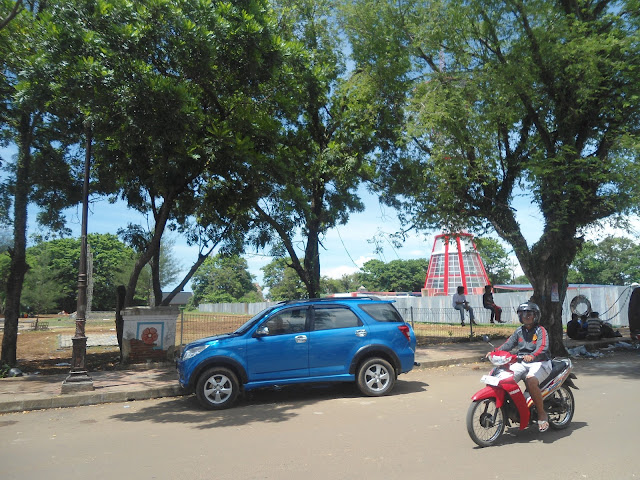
(490, 380)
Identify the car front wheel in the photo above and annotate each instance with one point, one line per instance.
(217, 388)
(376, 377)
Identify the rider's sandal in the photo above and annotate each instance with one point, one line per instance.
(543, 426)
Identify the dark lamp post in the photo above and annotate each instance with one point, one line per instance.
(78, 379)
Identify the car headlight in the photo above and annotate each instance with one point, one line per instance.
(192, 352)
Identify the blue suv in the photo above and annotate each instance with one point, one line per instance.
(362, 340)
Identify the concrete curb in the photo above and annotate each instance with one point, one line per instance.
(82, 399)
(449, 362)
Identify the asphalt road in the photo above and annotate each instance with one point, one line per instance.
(333, 433)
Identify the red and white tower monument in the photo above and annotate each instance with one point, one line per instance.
(455, 261)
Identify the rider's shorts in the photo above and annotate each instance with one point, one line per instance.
(540, 370)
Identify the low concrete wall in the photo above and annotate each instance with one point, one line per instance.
(149, 334)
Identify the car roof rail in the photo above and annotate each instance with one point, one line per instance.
(330, 299)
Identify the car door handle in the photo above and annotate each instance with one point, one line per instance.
(301, 338)
(361, 333)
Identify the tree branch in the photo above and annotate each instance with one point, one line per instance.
(12, 14)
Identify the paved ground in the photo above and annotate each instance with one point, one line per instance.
(141, 382)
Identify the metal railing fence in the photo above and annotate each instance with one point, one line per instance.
(442, 325)
(192, 326)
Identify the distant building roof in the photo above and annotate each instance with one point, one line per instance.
(181, 298)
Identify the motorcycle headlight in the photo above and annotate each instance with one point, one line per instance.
(499, 360)
(192, 352)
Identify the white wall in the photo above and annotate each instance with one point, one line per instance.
(611, 302)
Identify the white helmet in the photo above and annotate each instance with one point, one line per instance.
(529, 307)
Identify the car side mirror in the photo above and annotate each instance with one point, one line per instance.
(262, 331)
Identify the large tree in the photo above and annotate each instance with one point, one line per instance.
(540, 98)
(42, 172)
(224, 278)
(612, 261)
(495, 259)
(332, 121)
(112, 261)
(186, 106)
(394, 276)
(282, 282)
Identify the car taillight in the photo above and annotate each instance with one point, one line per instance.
(405, 331)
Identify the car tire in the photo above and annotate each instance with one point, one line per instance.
(376, 377)
(217, 388)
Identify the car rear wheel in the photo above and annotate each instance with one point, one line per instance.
(376, 377)
(217, 388)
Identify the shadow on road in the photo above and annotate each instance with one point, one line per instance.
(271, 405)
(531, 434)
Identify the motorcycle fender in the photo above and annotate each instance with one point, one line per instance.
(490, 392)
(569, 382)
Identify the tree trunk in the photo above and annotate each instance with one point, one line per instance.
(154, 246)
(312, 264)
(18, 266)
(155, 278)
(547, 270)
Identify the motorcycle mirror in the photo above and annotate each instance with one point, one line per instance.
(485, 338)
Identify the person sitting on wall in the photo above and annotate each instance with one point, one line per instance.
(489, 304)
(576, 328)
(460, 303)
(594, 326)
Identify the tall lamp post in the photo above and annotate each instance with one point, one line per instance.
(78, 379)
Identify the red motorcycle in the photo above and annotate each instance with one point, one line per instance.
(502, 402)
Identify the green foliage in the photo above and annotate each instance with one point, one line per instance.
(43, 290)
(496, 260)
(394, 276)
(521, 280)
(51, 282)
(612, 261)
(506, 98)
(332, 122)
(223, 278)
(282, 281)
(347, 283)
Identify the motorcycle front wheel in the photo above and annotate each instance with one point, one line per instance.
(485, 422)
(560, 407)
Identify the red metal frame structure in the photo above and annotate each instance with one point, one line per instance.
(455, 261)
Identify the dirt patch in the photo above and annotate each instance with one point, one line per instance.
(39, 350)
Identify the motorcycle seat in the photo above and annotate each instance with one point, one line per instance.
(557, 366)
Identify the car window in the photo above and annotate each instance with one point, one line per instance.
(382, 312)
(336, 317)
(292, 320)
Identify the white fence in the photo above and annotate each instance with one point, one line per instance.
(612, 303)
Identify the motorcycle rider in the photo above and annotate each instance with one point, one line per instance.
(532, 341)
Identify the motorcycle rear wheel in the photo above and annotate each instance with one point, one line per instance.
(561, 408)
(485, 422)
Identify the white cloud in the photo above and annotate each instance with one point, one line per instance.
(339, 272)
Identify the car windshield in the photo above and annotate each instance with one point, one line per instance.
(249, 323)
